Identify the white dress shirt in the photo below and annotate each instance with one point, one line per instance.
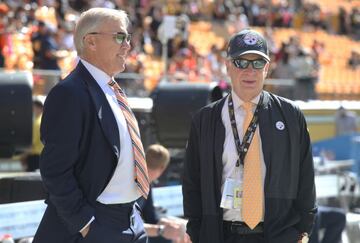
(121, 187)
(230, 153)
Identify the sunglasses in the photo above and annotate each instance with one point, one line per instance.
(243, 63)
(119, 37)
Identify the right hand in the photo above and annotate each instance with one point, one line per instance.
(85, 231)
(172, 231)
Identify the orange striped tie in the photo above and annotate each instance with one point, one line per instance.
(253, 196)
(141, 173)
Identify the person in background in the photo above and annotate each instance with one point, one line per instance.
(259, 188)
(354, 60)
(333, 221)
(345, 122)
(93, 163)
(30, 160)
(303, 65)
(161, 230)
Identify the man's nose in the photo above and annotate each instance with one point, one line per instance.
(126, 45)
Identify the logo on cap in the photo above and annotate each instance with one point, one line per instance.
(250, 39)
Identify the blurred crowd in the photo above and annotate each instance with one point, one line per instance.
(47, 26)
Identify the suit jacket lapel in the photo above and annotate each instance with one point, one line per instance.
(103, 109)
(266, 129)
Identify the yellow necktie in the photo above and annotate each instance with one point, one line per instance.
(253, 197)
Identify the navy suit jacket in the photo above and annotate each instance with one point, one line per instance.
(81, 150)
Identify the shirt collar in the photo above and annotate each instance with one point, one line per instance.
(238, 102)
(100, 76)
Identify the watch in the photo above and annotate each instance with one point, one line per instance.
(304, 238)
(160, 230)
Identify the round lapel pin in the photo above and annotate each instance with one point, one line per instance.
(280, 125)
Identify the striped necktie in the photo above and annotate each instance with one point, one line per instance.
(253, 196)
(141, 173)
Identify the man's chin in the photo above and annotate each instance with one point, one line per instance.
(119, 70)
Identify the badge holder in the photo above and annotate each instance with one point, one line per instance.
(232, 193)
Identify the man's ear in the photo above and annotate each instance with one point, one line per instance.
(227, 63)
(89, 42)
(266, 69)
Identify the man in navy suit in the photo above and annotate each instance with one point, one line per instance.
(87, 164)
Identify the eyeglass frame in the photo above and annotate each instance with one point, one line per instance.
(248, 63)
(127, 37)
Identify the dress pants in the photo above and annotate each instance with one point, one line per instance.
(121, 223)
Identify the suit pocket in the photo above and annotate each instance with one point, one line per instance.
(91, 236)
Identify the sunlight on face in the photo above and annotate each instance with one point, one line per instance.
(247, 83)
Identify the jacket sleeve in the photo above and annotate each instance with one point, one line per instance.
(61, 131)
(191, 185)
(306, 197)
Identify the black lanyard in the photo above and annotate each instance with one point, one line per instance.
(243, 147)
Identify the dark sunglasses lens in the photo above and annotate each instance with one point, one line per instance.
(120, 38)
(258, 64)
(241, 63)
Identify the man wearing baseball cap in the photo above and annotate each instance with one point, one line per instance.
(248, 173)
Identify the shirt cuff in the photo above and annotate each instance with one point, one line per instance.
(92, 219)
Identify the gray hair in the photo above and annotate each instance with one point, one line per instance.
(92, 19)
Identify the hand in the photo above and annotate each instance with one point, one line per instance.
(85, 231)
(172, 231)
(182, 236)
(186, 239)
(303, 238)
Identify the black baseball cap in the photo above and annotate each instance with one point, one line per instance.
(247, 41)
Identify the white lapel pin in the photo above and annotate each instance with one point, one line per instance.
(280, 125)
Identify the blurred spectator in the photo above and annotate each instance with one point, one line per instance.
(269, 36)
(333, 221)
(343, 20)
(47, 54)
(150, 42)
(220, 10)
(305, 72)
(184, 61)
(282, 69)
(30, 160)
(317, 49)
(216, 65)
(65, 37)
(48, 50)
(345, 121)
(282, 14)
(355, 23)
(36, 40)
(260, 13)
(157, 228)
(314, 17)
(239, 20)
(354, 60)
